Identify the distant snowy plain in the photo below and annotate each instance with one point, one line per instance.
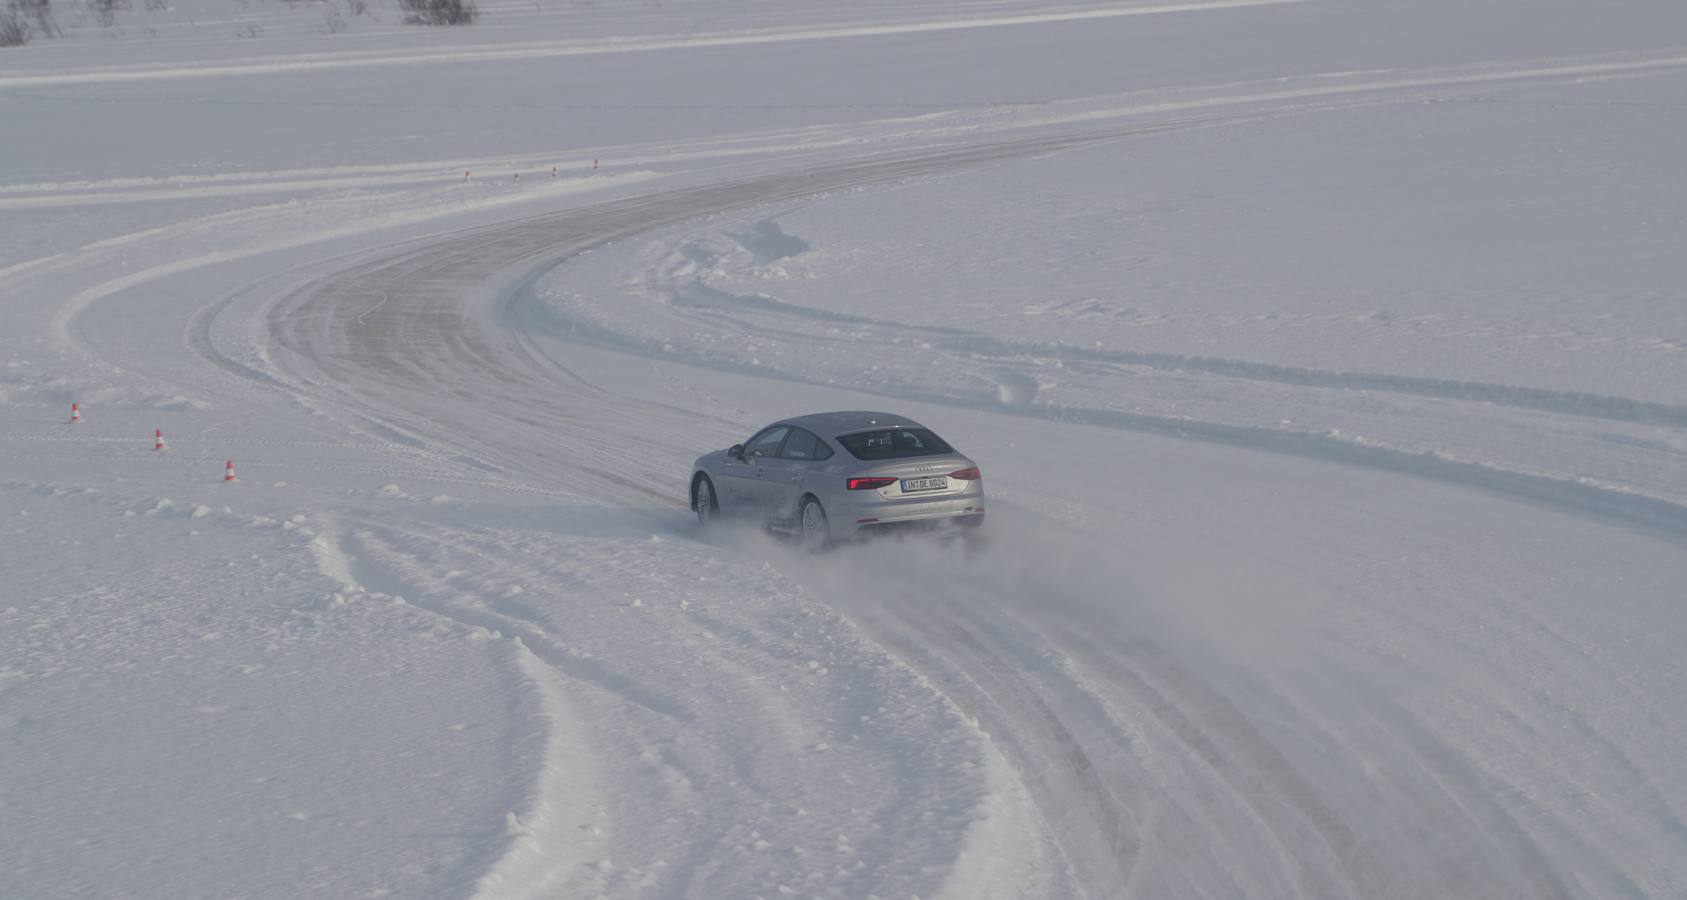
(1326, 362)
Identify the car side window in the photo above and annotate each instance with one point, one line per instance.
(800, 445)
(767, 443)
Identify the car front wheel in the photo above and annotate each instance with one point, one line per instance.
(708, 508)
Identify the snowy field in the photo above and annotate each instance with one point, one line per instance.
(1326, 362)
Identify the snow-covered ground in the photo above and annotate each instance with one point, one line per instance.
(1326, 361)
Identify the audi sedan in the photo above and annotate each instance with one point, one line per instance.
(832, 476)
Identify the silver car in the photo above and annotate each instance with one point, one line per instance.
(831, 476)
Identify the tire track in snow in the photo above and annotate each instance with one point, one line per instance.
(1115, 735)
(1071, 728)
(1094, 828)
(544, 848)
(705, 766)
(686, 296)
(373, 559)
(532, 866)
(1272, 779)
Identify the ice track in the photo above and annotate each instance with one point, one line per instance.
(1091, 703)
(1122, 767)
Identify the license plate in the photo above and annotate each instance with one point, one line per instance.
(938, 483)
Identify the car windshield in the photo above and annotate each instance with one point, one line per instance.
(894, 443)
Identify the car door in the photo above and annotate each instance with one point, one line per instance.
(733, 488)
(744, 479)
(784, 479)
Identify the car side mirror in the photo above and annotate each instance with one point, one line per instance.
(736, 451)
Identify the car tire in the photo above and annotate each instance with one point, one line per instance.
(707, 504)
(816, 533)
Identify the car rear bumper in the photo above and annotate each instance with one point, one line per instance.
(958, 511)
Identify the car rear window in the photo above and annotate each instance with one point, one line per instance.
(894, 443)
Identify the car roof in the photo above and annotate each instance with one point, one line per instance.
(832, 424)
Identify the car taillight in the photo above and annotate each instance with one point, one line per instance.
(870, 484)
(971, 474)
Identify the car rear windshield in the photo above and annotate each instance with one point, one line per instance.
(894, 443)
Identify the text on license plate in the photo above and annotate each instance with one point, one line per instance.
(925, 484)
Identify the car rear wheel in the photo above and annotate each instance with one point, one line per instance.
(708, 508)
(816, 534)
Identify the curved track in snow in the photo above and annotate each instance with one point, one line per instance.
(473, 644)
(411, 322)
(1137, 770)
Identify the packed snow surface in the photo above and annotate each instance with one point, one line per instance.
(1326, 362)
